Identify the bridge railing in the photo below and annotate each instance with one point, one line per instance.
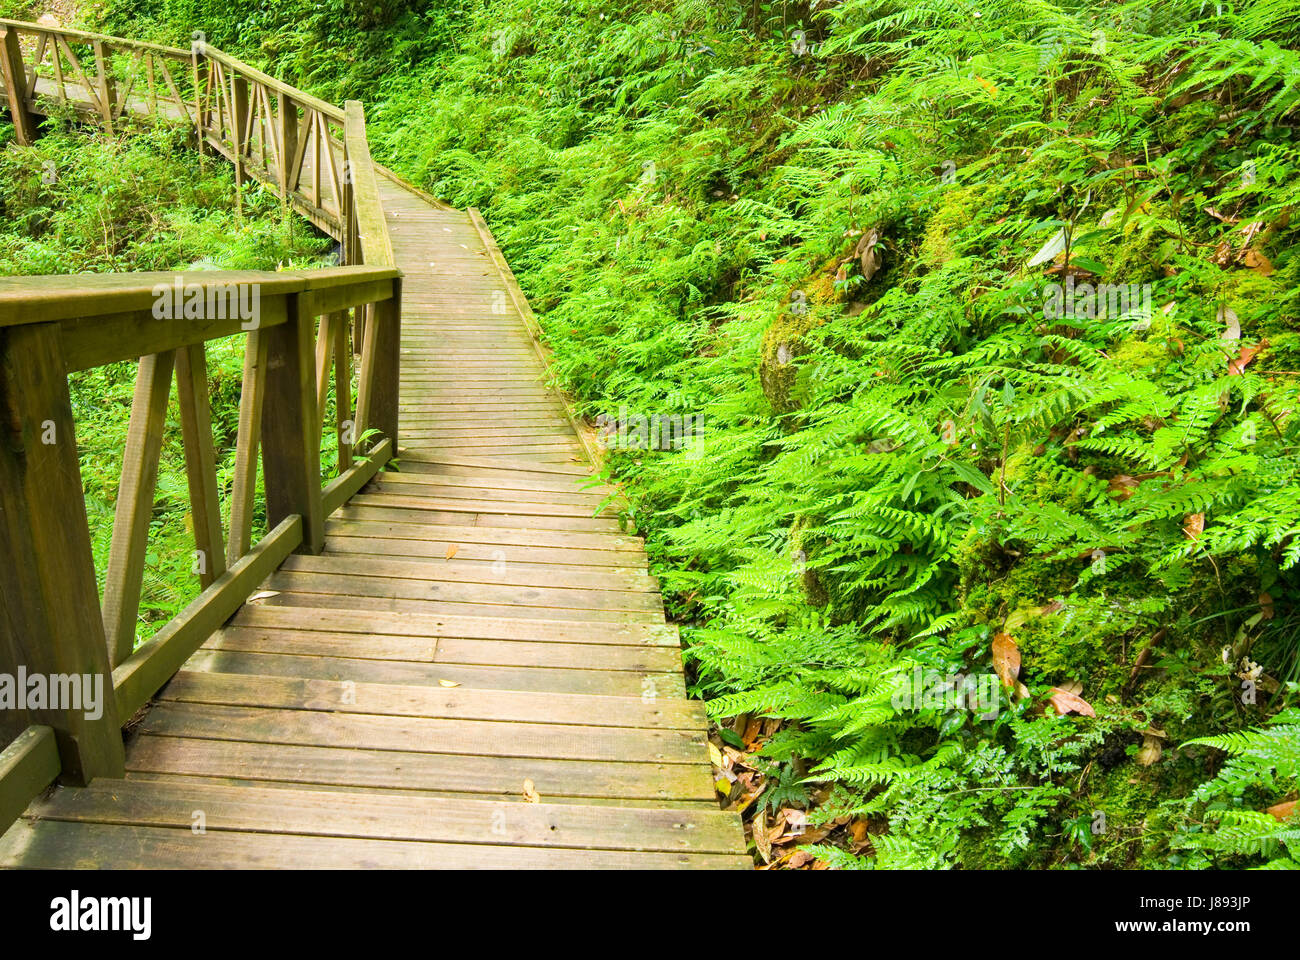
(301, 330)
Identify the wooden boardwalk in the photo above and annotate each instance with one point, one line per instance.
(475, 672)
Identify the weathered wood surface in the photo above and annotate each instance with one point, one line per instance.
(477, 633)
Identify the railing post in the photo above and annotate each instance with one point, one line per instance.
(381, 368)
(107, 92)
(287, 118)
(15, 76)
(238, 120)
(290, 443)
(49, 600)
(200, 74)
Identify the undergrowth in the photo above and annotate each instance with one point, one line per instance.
(832, 229)
(79, 201)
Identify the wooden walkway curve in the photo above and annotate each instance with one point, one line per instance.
(474, 671)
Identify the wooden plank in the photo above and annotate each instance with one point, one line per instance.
(453, 703)
(346, 537)
(27, 766)
(413, 499)
(412, 817)
(353, 582)
(502, 653)
(49, 599)
(414, 460)
(200, 462)
(605, 683)
(342, 601)
(451, 485)
(293, 763)
(137, 678)
(457, 570)
(479, 738)
(348, 520)
(66, 845)
(563, 526)
(455, 625)
(135, 502)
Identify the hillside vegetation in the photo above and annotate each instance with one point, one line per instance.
(79, 201)
(864, 239)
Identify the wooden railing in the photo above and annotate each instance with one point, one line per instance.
(301, 330)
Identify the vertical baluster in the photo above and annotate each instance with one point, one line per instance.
(287, 118)
(200, 461)
(15, 77)
(318, 124)
(199, 71)
(107, 89)
(244, 492)
(238, 120)
(377, 394)
(49, 603)
(135, 500)
(343, 392)
(290, 448)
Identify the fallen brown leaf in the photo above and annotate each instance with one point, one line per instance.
(1066, 702)
(1266, 606)
(1006, 658)
(1150, 751)
(451, 550)
(1247, 354)
(1194, 525)
(1282, 811)
(762, 842)
(1258, 262)
(799, 859)
(1122, 485)
(530, 792)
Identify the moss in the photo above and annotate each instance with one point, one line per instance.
(961, 206)
(814, 593)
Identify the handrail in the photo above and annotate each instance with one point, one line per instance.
(204, 49)
(317, 158)
(84, 36)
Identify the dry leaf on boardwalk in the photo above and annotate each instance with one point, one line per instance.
(530, 792)
(448, 683)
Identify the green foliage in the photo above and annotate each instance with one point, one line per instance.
(909, 445)
(1264, 761)
(79, 201)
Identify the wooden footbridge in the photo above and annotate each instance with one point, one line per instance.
(442, 653)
